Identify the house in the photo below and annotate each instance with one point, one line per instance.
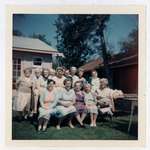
(31, 53)
(124, 70)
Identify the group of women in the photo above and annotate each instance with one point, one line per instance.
(64, 93)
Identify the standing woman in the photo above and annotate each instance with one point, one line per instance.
(37, 83)
(23, 98)
(73, 71)
(59, 78)
(47, 105)
(45, 75)
(90, 100)
(80, 74)
(80, 103)
(95, 81)
(65, 106)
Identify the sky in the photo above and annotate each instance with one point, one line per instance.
(119, 26)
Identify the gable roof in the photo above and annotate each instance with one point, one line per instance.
(31, 43)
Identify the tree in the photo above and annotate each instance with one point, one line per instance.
(17, 33)
(78, 36)
(131, 43)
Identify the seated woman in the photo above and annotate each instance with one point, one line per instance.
(80, 103)
(65, 106)
(90, 101)
(105, 97)
(47, 105)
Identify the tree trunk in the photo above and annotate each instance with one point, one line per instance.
(105, 60)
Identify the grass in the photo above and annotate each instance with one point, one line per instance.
(106, 130)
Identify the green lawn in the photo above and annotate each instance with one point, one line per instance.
(106, 130)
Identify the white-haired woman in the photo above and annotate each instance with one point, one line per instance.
(106, 96)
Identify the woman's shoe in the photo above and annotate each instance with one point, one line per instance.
(71, 125)
(94, 125)
(39, 128)
(91, 125)
(44, 129)
(58, 127)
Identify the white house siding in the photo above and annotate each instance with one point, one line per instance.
(27, 59)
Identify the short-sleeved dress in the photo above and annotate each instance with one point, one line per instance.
(95, 83)
(23, 97)
(59, 82)
(37, 84)
(106, 98)
(65, 96)
(43, 84)
(80, 103)
(74, 79)
(91, 101)
(48, 103)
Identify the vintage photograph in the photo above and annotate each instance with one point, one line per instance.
(75, 76)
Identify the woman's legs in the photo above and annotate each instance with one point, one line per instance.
(83, 115)
(40, 123)
(79, 119)
(59, 122)
(94, 119)
(70, 116)
(45, 122)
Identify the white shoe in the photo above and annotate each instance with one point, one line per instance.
(26, 117)
(58, 127)
(91, 125)
(71, 126)
(39, 128)
(94, 125)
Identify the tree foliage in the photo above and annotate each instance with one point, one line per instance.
(131, 43)
(78, 37)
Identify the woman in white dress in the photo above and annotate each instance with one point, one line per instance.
(65, 106)
(37, 83)
(106, 96)
(95, 81)
(47, 107)
(90, 101)
(59, 78)
(73, 71)
(23, 98)
(45, 76)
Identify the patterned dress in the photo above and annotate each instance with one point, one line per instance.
(23, 97)
(91, 101)
(80, 103)
(66, 97)
(48, 103)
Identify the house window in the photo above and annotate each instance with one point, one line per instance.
(16, 70)
(37, 61)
